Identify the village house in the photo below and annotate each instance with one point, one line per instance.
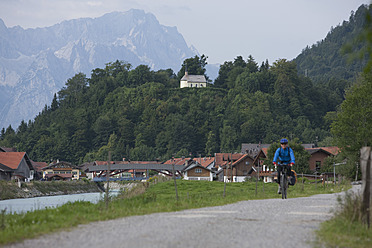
(233, 167)
(15, 166)
(196, 171)
(199, 169)
(61, 171)
(190, 81)
(264, 171)
(318, 156)
(221, 161)
(85, 169)
(38, 169)
(178, 161)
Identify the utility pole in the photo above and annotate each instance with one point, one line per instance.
(231, 163)
(174, 178)
(225, 179)
(257, 172)
(263, 179)
(108, 179)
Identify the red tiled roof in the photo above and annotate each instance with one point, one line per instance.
(204, 161)
(11, 159)
(334, 150)
(39, 165)
(68, 175)
(126, 162)
(177, 161)
(265, 151)
(240, 159)
(222, 158)
(331, 149)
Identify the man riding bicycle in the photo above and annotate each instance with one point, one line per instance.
(286, 158)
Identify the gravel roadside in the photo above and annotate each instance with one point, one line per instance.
(257, 223)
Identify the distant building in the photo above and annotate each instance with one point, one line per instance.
(190, 81)
(199, 169)
(61, 171)
(38, 169)
(15, 166)
(318, 156)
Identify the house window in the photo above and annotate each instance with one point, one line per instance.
(318, 165)
(198, 170)
(246, 162)
(191, 85)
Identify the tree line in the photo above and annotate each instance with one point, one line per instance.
(140, 114)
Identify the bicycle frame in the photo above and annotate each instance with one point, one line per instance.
(284, 180)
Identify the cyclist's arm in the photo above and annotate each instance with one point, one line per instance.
(276, 155)
(293, 160)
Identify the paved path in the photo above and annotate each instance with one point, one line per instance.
(256, 223)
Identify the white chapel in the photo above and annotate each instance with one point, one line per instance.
(193, 81)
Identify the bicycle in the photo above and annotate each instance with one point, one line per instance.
(286, 169)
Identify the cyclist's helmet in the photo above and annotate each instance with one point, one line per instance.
(283, 141)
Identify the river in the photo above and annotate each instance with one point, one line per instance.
(35, 203)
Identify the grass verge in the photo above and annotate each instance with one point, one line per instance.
(145, 199)
(346, 228)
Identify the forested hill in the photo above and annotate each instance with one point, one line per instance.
(326, 61)
(141, 114)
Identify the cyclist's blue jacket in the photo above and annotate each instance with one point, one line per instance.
(286, 156)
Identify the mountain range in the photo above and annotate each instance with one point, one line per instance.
(36, 63)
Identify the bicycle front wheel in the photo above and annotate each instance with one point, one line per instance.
(284, 185)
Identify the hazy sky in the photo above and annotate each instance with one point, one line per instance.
(222, 30)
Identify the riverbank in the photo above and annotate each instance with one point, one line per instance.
(11, 190)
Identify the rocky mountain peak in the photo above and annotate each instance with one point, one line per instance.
(35, 63)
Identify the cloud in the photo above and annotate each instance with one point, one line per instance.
(94, 4)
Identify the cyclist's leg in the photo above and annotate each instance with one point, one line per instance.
(287, 173)
(279, 169)
(288, 170)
